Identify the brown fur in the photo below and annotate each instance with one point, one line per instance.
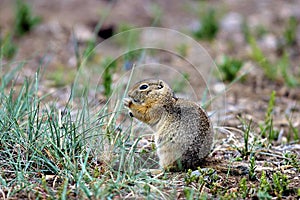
(183, 132)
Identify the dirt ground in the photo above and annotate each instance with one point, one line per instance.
(52, 43)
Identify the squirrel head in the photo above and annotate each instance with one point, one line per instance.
(151, 93)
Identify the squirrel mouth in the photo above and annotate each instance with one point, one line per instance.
(136, 100)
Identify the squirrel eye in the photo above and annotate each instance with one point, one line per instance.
(143, 87)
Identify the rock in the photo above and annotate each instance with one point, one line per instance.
(232, 22)
(83, 33)
(269, 41)
(219, 87)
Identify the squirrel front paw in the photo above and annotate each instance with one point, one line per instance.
(130, 114)
(127, 102)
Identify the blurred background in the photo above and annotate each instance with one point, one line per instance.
(245, 54)
(52, 31)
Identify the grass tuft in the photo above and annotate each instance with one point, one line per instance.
(290, 33)
(252, 167)
(259, 57)
(109, 66)
(24, 19)
(209, 26)
(280, 184)
(7, 47)
(267, 127)
(229, 68)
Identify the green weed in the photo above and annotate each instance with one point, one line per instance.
(200, 177)
(24, 19)
(264, 186)
(109, 66)
(280, 184)
(203, 177)
(243, 188)
(293, 133)
(292, 159)
(190, 177)
(267, 128)
(290, 33)
(188, 193)
(284, 64)
(252, 167)
(229, 68)
(89, 51)
(247, 150)
(7, 47)
(258, 56)
(209, 26)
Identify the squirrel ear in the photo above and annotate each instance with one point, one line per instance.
(161, 85)
(174, 96)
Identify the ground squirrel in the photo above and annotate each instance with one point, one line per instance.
(183, 131)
